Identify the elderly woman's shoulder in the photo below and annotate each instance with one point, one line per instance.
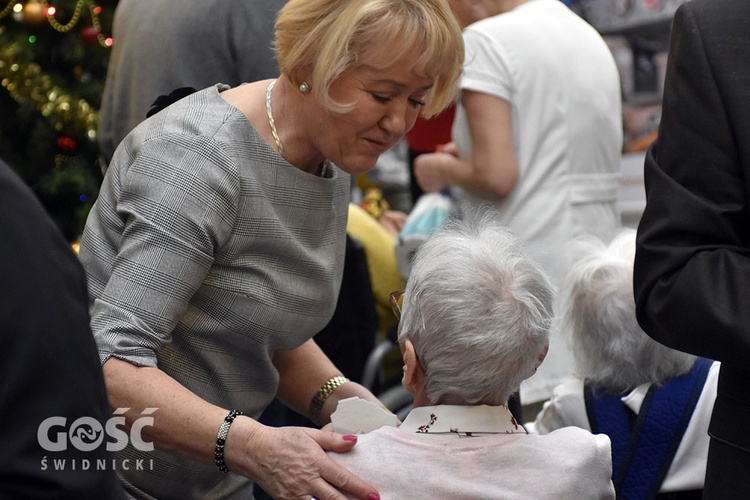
(574, 448)
(575, 443)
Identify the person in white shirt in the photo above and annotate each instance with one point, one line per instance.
(537, 138)
(621, 367)
(475, 323)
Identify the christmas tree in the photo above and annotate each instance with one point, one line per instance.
(53, 61)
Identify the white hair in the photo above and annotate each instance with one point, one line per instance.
(478, 312)
(598, 313)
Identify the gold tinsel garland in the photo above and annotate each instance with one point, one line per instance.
(49, 13)
(7, 9)
(26, 82)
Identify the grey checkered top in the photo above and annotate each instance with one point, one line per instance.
(205, 252)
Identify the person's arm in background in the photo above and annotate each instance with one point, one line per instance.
(492, 171)
(692, 265)
(49, 368)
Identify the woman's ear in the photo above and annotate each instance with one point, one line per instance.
(540, 359)
(413, 373)
(543, 354)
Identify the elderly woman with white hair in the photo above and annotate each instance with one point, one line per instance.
(474, 323)
(654, 402)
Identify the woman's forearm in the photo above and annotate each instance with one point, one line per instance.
(436, 171)
(183, 423)
(188, 426)
(303, 371)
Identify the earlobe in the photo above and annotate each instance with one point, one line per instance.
(409, 357)
(540, 359)
(544, 353)
(414, 375)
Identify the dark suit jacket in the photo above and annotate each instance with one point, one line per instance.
(49, 365)
(692, 267)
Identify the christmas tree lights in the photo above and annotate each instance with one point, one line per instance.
(53, 59)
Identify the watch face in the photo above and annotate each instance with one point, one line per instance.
(622, 7)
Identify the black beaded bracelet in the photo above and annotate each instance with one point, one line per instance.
(221, 439)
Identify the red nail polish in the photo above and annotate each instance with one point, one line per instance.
(350, 437)
(373, 496)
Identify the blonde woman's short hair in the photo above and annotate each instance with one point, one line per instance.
(328, 37)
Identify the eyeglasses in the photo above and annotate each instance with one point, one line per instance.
(397, 300)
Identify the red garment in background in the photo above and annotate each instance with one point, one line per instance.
(427, 134)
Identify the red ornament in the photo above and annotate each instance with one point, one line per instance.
(67, 144)
(90, 35)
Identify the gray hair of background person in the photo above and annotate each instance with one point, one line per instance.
(598, 314)
(478, 312)
(327, 38)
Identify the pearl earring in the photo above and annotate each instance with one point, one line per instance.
(304, 87)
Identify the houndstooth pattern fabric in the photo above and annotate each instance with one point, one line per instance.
(205, 252)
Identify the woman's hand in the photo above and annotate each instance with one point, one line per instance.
(430, 169)
(393, 221)
(449, 147)
(291, 463)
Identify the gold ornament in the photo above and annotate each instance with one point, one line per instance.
(374, 204)
(34, 12)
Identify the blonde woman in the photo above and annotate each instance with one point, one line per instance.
(215, 250)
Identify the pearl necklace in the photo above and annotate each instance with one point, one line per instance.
(275, 134)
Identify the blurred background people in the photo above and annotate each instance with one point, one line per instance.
(391, 177)
(215, 250)
(653, 401)
(474, 324)
(537, 136)
(692, 266)
(164, 45)
(48, 362)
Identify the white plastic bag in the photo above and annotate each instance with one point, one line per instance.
(430, 211)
